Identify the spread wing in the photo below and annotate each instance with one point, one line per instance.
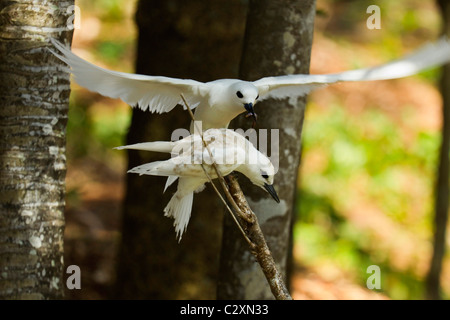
(429, 56)
(155, 93)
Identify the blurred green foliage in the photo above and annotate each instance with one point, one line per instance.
(97, 124)
(111, 51)
(95, 133)
(361, 162)
(356, 148)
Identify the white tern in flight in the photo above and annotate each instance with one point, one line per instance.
(231, 152)
(218, 102)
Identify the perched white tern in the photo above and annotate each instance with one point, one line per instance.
(231, 152)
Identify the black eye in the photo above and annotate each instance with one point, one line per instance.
(257, 97)
(239, 94)
(265, 176)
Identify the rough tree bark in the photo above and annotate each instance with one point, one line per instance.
(442, 183)
(34, 93)
(186, 39)
(278, 41)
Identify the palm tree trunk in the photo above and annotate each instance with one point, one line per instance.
(442, 184)
(34, 93)
(277, 42)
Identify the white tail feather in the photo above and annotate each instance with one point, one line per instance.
(180, 209)
(151, 168)
(157, 146)
(170, 180)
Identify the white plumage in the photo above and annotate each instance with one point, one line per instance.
(218, 102)
(231, 152)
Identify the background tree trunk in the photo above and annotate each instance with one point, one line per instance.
(186, 39)
(277, 42)
(442, 184)
(34, 93)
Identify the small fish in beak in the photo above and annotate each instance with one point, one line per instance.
(251, 112)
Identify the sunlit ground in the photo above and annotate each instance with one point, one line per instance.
(368, 168)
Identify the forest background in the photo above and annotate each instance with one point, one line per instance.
(367, 175)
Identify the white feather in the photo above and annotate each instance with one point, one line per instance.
(169, 182)
(429, 56)
(158, 94)
(179, 208)
(218, 102)
(157, 146)
(152, 168)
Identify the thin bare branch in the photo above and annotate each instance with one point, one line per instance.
(260, 249)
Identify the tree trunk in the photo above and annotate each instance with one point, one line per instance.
(277, 42)
(34, 93)
(185, 39)
(442, 184)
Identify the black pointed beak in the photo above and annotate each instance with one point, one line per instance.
(251, 112)
(270, 189)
